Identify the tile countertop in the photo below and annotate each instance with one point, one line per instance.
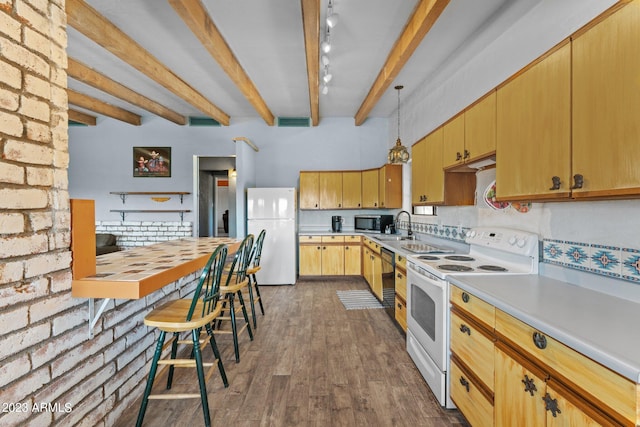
(600, 326)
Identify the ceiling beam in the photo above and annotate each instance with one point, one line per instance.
(89, 22)
(79, 71)
(100, 107)
(194, 14)
(86, 119)
(424, 16)
(311, 25)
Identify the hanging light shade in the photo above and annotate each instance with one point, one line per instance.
(399, 153)
(332, 18)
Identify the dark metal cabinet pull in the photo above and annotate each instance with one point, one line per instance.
(529, 385)
(578, 181)
(467, 154)
(556, 183)
(465, 330)
(540, 340)
(465, 297)
(464, 383)
(551, 405)
(458, 156)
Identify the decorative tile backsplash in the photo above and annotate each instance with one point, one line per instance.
(611, 261)
(619, 263)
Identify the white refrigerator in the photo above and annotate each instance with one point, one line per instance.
(274, 210)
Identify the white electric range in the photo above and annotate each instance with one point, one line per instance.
(492, 250)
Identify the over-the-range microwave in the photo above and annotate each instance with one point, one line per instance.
(372, 223)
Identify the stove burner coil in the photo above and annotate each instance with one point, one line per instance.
(428, 257)
(459, 258)
(454, 267)
(492, 268)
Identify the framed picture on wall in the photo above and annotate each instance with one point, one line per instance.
(151, 162)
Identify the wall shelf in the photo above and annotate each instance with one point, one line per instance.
(123, 212)
(123, 194)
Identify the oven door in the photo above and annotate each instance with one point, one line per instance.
(427, 309)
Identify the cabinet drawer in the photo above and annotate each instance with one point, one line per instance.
(372, 245)
(596, 383)
(469, 399)
(401, 261)
(333, 239)
(353, 239)
(473, 348)
(401, 313)
(401, 283)
(475, 306)
(310, 239)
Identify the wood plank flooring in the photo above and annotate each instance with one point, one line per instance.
(312, 363)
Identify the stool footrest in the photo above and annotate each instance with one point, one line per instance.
(174, 396)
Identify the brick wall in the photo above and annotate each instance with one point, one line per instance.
(51, 372)
(142, 233)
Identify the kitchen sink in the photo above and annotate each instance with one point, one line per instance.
(392, 238)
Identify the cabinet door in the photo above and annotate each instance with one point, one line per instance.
(367, 266)
(332, 260)
(370, 188)
(330, 190)
(390, 186)
(570, 414)
(376, 276)
(310, 260)
(480, 128)
(419, 173)
(606, 102)
(352, 189)
(352, 260)
(434, 173)
(534, 131)
(453, 142)
(309, 190)
(518, 394)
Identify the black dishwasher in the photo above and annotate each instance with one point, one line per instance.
(388, 281)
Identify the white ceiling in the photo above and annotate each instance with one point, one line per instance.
(267, 39)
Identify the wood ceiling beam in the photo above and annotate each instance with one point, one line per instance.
(86, 119)
(424, 16)
(100, 107)
(89, 22)
(311, 25)
(79, 71)
(194, 14)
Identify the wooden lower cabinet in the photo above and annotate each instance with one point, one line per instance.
(469, 398)
(401, 291)
(329, 255)
(372, 267)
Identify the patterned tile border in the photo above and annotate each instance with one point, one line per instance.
(449, 232)
(610, 261)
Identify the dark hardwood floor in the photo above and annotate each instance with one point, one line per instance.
(312, 363)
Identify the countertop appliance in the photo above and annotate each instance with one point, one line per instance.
(372, 223)
(336, 224)
(491, 251)
(274, 210)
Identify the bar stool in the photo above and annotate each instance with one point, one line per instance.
(183, 315)
(254, 267)
(237, 280)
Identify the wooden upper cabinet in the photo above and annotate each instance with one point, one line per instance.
(534, 130)
(480, 128)
(309, 190)
(370, 188)
(434, 172)
(330, 190)
(606, 105)
(454, 139)
(390, 186)
(352, 189)
(418, 173)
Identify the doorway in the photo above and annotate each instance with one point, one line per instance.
(213, 202)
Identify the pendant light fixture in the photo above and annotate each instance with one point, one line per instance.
(399, 153)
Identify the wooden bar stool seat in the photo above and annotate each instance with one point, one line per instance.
(194, 316)
(236, 282)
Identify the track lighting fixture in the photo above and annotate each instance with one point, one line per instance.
(332, 18)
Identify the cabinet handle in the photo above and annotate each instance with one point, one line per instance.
(346, 248)
(529, 385)
(467, 154)
(551, 405)
(324, 248)
(458, 156)
(399, 276)
(465, 297)
(556, 183)
(339, 205)
(578, 181)
(464, 383)
(399, 305)
(465, 330)
(540, 340)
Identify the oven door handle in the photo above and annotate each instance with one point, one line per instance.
(422, 272)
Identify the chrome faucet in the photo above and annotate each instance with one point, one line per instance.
(409, 231)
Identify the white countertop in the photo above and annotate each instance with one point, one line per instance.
(602, 327)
